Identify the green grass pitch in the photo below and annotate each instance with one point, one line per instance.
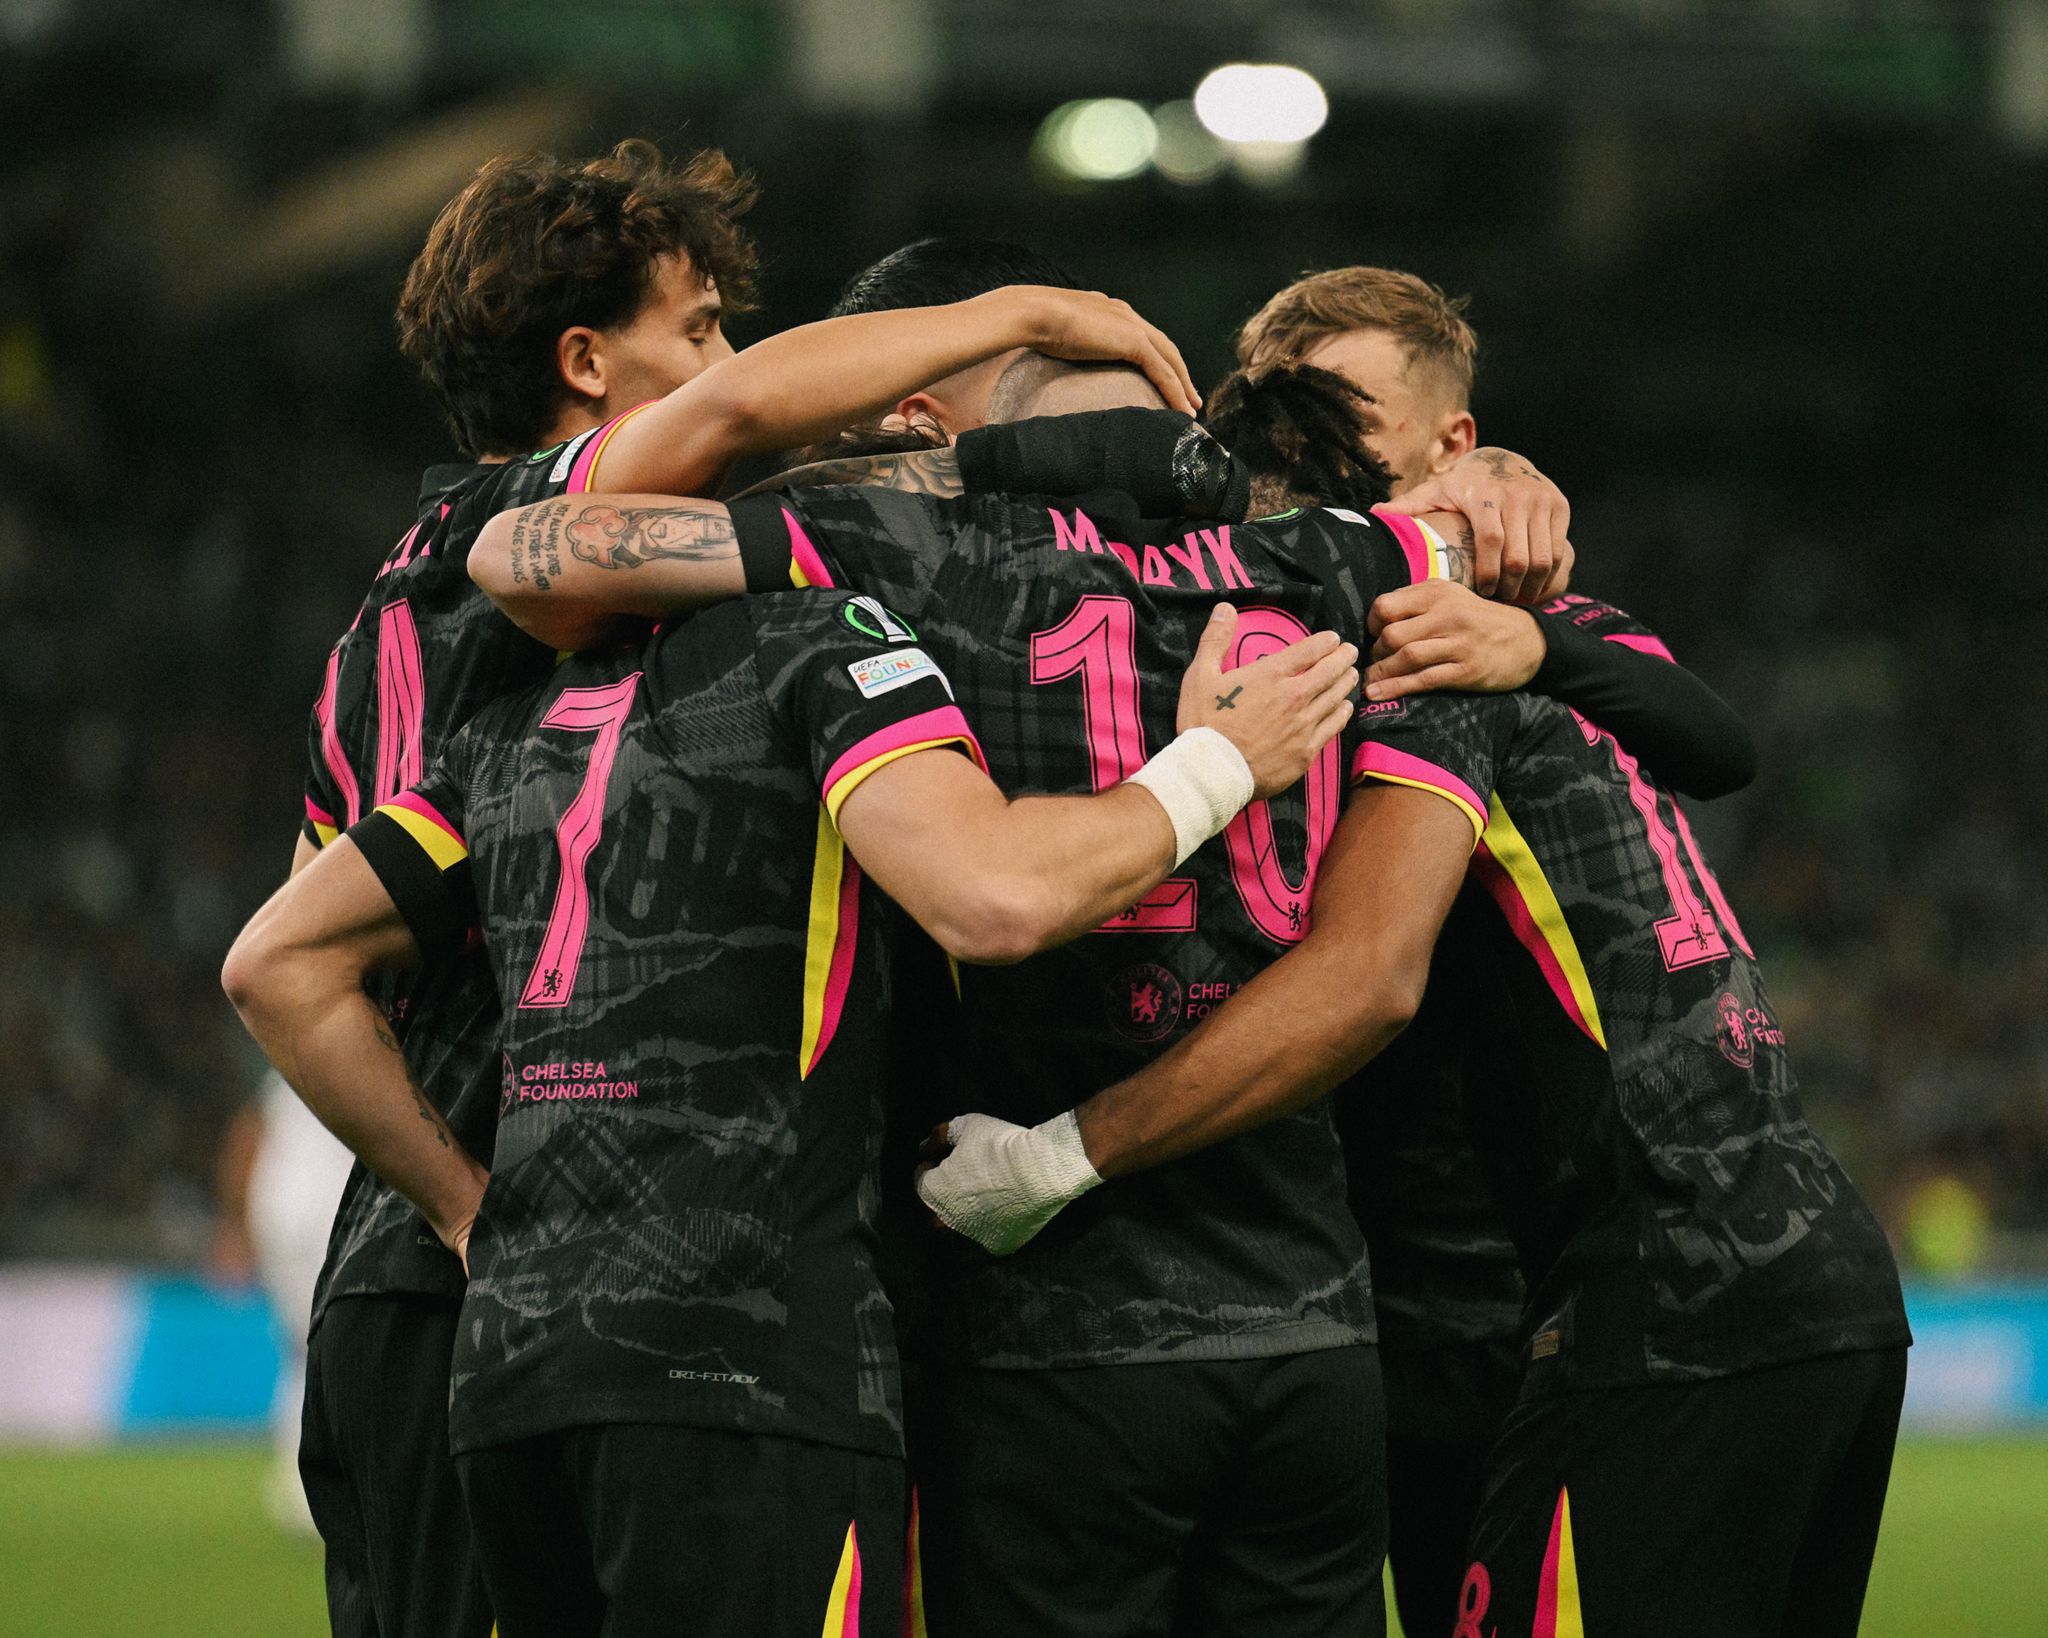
(173, 1542)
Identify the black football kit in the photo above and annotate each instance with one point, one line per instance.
(678, 1239)
(1713, 1333)
(426, 650)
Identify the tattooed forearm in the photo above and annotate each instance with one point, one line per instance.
(918, 472)
(537, 544)
(427, 1111)
(624, 538)
(1460, 551)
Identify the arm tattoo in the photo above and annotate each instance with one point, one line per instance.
(427, 1111)
(1460, 552)
(918, 472)
(624, 538)
(537, 544)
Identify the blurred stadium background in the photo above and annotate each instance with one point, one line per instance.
(1759, 282)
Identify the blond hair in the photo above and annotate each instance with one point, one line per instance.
(1320, 306)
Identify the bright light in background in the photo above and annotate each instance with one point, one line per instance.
(1187, 153)
(1102, 140)
(1268, 164)
(1261, 102)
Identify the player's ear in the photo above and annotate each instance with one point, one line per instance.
(923, 413)
(1457, 435)
(580, 361)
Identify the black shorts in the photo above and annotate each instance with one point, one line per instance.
(639, 1530)
(1444, 1407)
(373, 1452)
(1214, 1498)
(1739, 1507)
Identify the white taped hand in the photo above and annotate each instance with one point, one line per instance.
(1001, 1183)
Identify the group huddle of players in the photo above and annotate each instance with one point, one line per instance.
(880, 1016)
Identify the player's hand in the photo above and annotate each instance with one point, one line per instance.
(1086, 325)
(1520, 522)
(1278, 711)
(1437, 634)
(455, 1234)
(999, 1184)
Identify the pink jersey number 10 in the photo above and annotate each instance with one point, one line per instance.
(599, 711)
(1099, 641)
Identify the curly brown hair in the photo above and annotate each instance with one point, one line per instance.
(535, 245)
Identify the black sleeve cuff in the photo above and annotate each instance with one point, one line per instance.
(763, 540)
(1571, 655)
(437, 904)
(1161, 458)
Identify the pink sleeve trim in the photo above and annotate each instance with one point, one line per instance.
(1644, 644)
(804, 554)
(1379, 760)
(586, 463)
(318, 814)
(926, 728)
(1409, 533)
(413, 802)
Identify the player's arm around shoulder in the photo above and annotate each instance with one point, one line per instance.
(997, 880)
(567, 571)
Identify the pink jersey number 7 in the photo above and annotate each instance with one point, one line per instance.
(599, 711)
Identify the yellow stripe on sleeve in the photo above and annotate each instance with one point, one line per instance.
(847, 783)
(1511, 851)
(436, 843)
(1466, 808)
(828, 870)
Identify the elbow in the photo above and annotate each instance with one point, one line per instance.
(490, 559)
(249, 974)
(1397, 1003)
(1739, 770)
(1727, 766)
(1384, 1009)
(546, 622)
(1004, 923)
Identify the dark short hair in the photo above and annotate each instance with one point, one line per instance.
(1301, 431)
(536, 245)
(932, 272)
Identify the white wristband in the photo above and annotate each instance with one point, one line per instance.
(1202, 781)
(1001, 1183)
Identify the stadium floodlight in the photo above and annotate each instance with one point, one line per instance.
(1261, 102)
(1102, 139)
(1187, 152)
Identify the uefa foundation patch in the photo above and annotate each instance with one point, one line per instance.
(880, 673)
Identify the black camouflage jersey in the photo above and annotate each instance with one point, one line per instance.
(679, 1225)
(425, 651)
(1444, 1270)
(1066, 630)
(1632, 1101)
